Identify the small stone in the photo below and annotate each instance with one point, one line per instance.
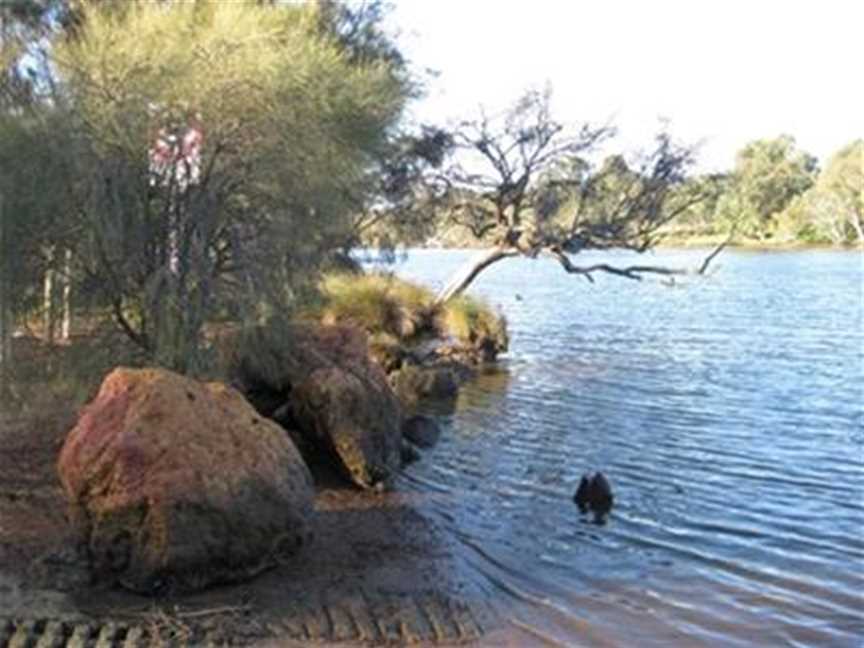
(422, 431)
(410, 454)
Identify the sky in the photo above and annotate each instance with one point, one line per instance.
(723, 73)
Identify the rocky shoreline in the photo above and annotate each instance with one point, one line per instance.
(147, 517)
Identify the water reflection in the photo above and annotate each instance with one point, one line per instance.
(488, 387)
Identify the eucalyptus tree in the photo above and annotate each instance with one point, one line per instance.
(843, 178)
(832, 210)
(525, 186)
(840, 189)
(768, 175)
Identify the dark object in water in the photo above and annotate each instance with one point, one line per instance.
(422, 431)
(594, 494)
(408, 453)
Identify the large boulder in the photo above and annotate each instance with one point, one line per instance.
(173, 482)
(357, 418)
(332, 397)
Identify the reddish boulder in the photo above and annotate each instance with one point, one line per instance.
(328, 392)
(356, 416)
(174, 482)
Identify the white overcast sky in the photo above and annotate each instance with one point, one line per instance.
(724, 72)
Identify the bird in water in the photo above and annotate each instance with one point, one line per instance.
(595, 494)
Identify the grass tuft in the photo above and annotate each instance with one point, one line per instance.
(471, 320)
(378, 303)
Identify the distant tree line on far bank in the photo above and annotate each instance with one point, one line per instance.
(776, 194)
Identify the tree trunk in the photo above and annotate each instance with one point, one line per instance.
(471, 270)
(66, 326)
(48, 315)
(5, 319)
(855, 221)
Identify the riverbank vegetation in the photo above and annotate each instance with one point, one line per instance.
(182, 186)
(169, 168)
(166, 166)
(384, 305)
(775, 196)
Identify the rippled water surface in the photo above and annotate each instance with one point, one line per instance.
(728, 415)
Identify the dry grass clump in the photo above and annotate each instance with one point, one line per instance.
(378, 303)
(395, 311)
(470, 320)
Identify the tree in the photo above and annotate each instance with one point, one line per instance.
(530, 189)
(290, 127)
(357, 28)
(833, 209)
(701, 218)
(5, 310)
(34, 192)
(769, 174)
(844, 178)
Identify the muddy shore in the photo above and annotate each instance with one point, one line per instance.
(378, 572)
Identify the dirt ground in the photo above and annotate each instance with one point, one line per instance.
(378, 572)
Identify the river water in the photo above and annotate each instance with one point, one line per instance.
(727, 412)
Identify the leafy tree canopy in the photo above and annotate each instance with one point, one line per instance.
(832, 211)
(289, 122)
(768, 175)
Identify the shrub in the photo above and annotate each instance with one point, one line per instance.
(378, 303)
(394, 311)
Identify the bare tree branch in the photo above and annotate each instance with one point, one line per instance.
(462, 281)
(634, 272)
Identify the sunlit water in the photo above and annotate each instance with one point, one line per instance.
(727, 413)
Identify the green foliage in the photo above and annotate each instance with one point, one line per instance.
(292, 124)
(393, 310)
(701, 216)
(35, 195)
(269, 90)
(832, 211)
(768, 176)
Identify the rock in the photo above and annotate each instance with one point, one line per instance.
(334, 395)
(410, 454)
(482, 338)
(413, 383)
(272, 359)
(173, 482)
(356, 417)
(594, 494)
(422, 431)
(387, 352)
(487, 348)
